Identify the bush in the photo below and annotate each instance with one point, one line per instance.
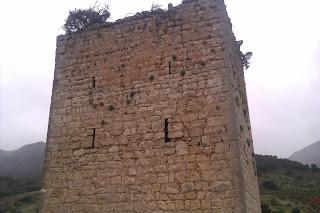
(265, 208)
(295, 210)
(14, 210)
(81, 19)
(155, 6)
(10, 186)
(289, 172)
(245, 59)
(270, 185)
(274, 202)
(315, 201)
(27, 199)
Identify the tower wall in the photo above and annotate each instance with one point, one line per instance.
(149, 114)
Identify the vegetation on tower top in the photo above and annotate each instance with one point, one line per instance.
(80, 19)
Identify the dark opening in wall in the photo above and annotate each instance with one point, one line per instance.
(93, 137)
(166, 131)
(93, 82)
(169, 67)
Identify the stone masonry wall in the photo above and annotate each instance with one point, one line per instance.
(149, 114)
(243, 127)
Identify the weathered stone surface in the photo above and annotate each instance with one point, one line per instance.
(182, 148)
(188, 186)
(147, 116)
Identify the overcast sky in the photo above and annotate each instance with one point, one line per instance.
(283, 82)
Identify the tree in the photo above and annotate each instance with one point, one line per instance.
(81, 19)
(314, 168)
(265, 208)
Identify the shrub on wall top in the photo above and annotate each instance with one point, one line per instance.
(245, 59)
(79, 19)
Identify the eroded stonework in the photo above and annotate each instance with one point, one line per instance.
(149, 114)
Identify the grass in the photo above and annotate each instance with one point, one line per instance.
(22, 203)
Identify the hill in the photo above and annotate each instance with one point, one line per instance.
(308, 155)
(26, 161)
(288, 186)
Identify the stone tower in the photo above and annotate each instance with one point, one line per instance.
(150, 114)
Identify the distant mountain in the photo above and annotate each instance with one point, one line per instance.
(26, 161)
(308, 155)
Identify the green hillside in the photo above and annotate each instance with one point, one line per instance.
(288, 186)
(21, 203)
(19, 195)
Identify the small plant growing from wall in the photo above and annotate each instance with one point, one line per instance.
(245, 59)
(110, 107)
(245, 112)
(155, 6)
(182, 73)
(241, 128)
(237, 101)
(151, 78)
(202, 63)
(248, 142)
(132, 93)
(80, 19)
(174, 57)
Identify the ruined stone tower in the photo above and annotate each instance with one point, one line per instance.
(149, 114)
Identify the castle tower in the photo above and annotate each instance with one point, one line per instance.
(149, 114)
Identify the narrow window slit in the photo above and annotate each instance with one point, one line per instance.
(166, 131)
(93, 82)
(169, 67)
(93, 137)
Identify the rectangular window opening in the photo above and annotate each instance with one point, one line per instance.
(166, 131)
(93, 82)
(169, 67)
(93, 137)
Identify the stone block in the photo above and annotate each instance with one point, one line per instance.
(182, 148)
(188, 186)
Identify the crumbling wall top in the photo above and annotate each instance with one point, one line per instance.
(144, 15)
